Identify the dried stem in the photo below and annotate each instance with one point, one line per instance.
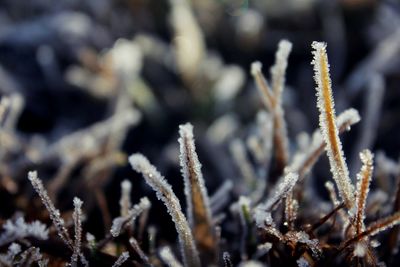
(164, 192)
(328, 124)
(198, 211)
(54, 213)
(374, 228)
(364, 180)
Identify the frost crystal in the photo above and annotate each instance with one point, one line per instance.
(328, 126)
(164, 192)
(279, 69)
(121, 259)
(54, 213)
(18, 229)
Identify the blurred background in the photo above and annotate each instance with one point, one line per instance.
(89, 82)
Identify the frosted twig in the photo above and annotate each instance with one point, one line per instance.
(139, 251)
(328, 126)
(332, 195)
(169, 258)
(164, 192)
(364, 180)
(375, 228)
(54, 213)
(198, 204)
(272, 100)
(303, 161)
(278, 70)
(291, 207)
(121, 259)
(281, 191)
(262, 85)
(77, 217)
(120, 222)
(125, 201)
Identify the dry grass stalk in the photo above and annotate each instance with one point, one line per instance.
(272, 100)
(165, 193)
(54, 213)
(364, 180)
(198, 211)
(303, 161)
(374, 229)
(328, 126)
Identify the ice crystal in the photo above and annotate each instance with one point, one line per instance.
(18, 229)
(165, 193)
(328, 124)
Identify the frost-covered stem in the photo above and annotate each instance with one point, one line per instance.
(125, 201)
(290, 210)
(54, 213)
(375, 228)
(121, 259)
(120, 222)
(198, 204)
(278, 72)
(281, 191)
(332, 195)
(164, 192)
(77, 217)
(327, 121)
(364, 180)
(303, 161)
(133, 242)
(262, 85)
(272, 100)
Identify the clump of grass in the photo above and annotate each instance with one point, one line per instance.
(274, 217)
